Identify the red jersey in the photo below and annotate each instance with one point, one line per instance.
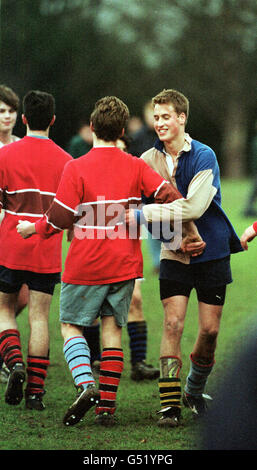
(30, 172)
(93, 192)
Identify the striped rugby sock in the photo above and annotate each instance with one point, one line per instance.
(170, 392)
(137, 331)
(77, 355)
(198, 376)
(10, 347)
(36, 374)
(110, 374)
(169, 382)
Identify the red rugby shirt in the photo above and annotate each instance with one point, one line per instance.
(93, 192)
(30, 172)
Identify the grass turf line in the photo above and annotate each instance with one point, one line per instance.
(137, 403)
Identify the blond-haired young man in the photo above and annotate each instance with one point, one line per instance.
(192, 167)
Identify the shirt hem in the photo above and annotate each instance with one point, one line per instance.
(34, 269)
(91, 282)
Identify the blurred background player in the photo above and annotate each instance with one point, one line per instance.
(144, 138)
(31, 169)
(82, 142)
(141, 141)
(134, 124)
(136, 327)
(9, 105)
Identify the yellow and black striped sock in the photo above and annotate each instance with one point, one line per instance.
(170, 392)
(169, 382)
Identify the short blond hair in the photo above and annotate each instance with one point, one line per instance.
(174, 97)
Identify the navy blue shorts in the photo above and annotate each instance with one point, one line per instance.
(11, 280)
(209, 279)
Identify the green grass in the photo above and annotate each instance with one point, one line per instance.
(137, 402)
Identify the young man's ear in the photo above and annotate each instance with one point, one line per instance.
(24, 119)
(182, 118)
(91, 127)
(53, 120)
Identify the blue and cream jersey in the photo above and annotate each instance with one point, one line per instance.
(195, 172)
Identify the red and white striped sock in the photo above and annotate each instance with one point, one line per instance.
(110, 374)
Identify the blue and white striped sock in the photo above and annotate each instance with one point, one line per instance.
(197, 377)
(77, 355)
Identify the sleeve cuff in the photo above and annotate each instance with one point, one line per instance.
(255, 226)
(140, 218)
(38, 227)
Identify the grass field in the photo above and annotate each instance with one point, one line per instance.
(137, 403)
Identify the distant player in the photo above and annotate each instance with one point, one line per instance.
(103, 260)
(9, 105)
(30, 171)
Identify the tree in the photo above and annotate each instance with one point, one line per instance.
(80, 50)
(206, 48)
(58, 47)
(220, 48)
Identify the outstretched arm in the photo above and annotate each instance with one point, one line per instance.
(192, 243)
(248, 235)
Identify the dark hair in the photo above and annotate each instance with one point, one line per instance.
(39, 109)
(109, 118)
(8, 96)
